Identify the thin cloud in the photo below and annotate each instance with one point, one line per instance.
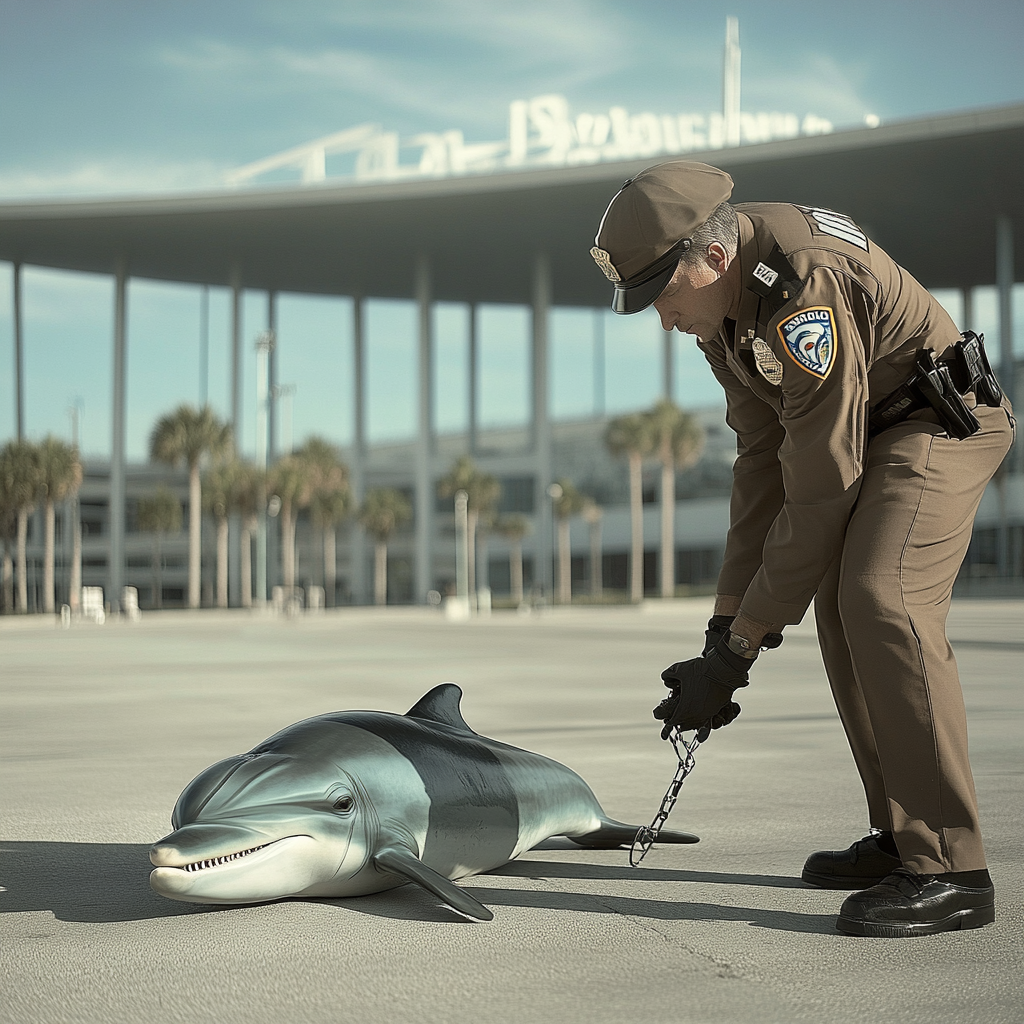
(529, 32)
(817, 83)
(506, 54)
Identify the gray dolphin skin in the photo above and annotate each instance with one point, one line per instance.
(357, 802)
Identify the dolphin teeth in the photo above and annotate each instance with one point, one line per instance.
(200, 865)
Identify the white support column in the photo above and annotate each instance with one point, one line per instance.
(668, 485)
(667, 365)
(115, 564)
(543, 542)
(599, 363)
(204, 346)
(1004, 286)
(424, 566)
(264, 345)
(236, 358)
(275, 573)
(358, 460)
(473, 376)
(235, 598)
(1007, 374)
(19, 363)
(272, 418)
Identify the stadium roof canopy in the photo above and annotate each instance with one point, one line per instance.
(929, 191)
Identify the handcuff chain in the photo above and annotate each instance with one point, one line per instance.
(647, 835)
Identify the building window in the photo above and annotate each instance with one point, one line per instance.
(517, 494)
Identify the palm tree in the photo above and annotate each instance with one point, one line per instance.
(630, 435)
(593, 514)
(159, 513)
(678, 441)
(329, 507)
(250, 490)
(219, 485)
(329, 503)
(60, 477)
(383, 511)
(20, 480)
(482, 491)
(8, 531)
(186, 436)
(291, 479)
(514, 528)
(568, 504)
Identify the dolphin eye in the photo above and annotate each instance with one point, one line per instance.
(344, 803)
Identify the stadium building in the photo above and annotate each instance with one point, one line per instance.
(941, 195)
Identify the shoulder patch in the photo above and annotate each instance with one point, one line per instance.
(810, 339)
(838, 225)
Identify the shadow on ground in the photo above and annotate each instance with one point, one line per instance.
(84, 882)
(564, 869)
(109, 882)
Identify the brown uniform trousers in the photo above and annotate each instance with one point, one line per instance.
(881, 617)
(873, 530)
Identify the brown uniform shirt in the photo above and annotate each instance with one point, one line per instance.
(828, 326)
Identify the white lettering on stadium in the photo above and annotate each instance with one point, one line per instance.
(542, 133)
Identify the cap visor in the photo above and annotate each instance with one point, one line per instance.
(638, 297)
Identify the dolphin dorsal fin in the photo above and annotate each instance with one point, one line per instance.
(441, 704)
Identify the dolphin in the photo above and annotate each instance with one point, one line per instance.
(356, 802)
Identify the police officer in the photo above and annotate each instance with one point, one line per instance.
(867, 429)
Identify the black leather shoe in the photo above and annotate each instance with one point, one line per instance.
(863, 864)
(907, 904)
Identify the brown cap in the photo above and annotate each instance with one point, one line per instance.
(648, 225)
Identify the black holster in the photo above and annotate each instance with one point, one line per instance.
(942, 386)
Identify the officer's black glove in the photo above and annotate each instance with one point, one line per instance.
(718, 626)
(702, 690)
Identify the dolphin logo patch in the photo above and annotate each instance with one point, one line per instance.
(810, 339)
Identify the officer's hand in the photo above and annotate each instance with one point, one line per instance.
(702, 691)
(718, 626)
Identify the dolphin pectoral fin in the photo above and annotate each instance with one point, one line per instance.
(403, 862)
(614, 833)
(441, 704)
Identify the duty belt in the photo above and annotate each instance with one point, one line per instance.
(941, 386)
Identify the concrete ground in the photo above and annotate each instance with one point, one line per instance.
(102, 727)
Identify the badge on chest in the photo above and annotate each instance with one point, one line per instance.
(768, 364)
(810, 339)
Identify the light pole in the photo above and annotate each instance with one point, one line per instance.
(554, 493)
(462, 550)
(264, 346)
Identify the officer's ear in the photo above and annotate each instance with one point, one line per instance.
(717, 258)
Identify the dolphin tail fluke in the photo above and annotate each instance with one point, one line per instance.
(614, 833)
(401, 861)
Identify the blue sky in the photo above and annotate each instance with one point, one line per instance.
(113, 97)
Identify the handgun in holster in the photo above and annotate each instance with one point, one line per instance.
(942, 385)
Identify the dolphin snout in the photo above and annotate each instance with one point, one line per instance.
(202, 842)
